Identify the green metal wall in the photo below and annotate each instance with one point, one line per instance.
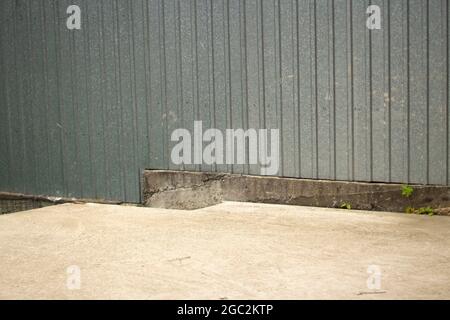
(82, 111)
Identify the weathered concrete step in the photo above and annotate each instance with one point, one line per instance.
(192, 190)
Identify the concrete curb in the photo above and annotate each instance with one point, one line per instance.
(193, 190)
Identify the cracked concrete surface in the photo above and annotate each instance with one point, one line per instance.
(182, 191)
(228, 251)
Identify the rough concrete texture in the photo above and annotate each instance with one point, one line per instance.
(16, 202)
(176, 190)
(16, 205)
(228, 251)
(160, 185)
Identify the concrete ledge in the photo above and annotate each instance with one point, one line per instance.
(15, 202)
(181, 190)
(16, 205)
(192, 190)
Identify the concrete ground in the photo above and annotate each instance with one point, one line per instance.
(229, 251)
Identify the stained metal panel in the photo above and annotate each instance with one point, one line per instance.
(83, 111)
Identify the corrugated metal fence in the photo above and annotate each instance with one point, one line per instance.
(82, 111)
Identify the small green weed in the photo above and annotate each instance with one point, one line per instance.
(345, 205)
(427, 210)
(407, 191)
(409, 209)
